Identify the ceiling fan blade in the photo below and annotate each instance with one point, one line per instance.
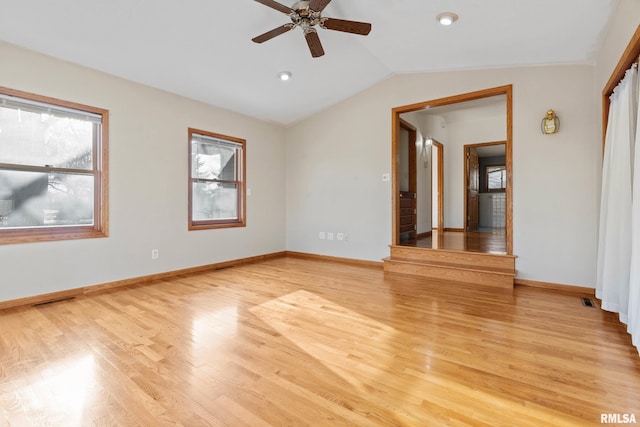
(314, 43)
(318, 5)
(271, 34)
(354, 27)
(277, 6)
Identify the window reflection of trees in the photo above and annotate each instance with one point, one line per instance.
(51, 182)
(214, 196)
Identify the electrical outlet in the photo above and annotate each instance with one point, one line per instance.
(329, 236)
(340, 236)
(321, 235)
(155, 254)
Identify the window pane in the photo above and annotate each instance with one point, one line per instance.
(38, 139)
(214, 201)
(34, 199)
(211, 161)
(495, 180)
(496, 177)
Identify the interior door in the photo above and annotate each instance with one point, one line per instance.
(473, 189)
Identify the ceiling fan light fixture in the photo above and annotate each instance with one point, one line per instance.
(447, 18)
(284, 75)
(307, 14)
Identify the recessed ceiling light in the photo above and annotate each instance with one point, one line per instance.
(447, 18)
(284, 75)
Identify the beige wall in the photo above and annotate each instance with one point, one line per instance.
(344, 150)
(331, 167)
(148, 183)
(556, 177)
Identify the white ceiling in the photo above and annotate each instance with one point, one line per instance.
(202, 49)
(491, 150)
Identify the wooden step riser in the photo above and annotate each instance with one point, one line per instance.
(466, 259)
(484, 278)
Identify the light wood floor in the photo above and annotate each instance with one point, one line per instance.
(298, 342)
(490, 242)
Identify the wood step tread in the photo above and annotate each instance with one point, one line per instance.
(456, 252)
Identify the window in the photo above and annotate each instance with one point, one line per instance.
(496, 178)
(53, 169)
(216, 184)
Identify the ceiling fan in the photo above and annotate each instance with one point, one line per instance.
(307, 15)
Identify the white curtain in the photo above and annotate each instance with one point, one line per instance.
(633, 325)
(618, 265)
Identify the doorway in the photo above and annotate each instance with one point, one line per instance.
(472, 189)
(485, 177)
(505, 94)
(407, 195)
(437, 185)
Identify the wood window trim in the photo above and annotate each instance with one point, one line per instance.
(241, 185)
(100, 228)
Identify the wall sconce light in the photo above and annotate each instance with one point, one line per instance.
(426, 142)
(550, 124)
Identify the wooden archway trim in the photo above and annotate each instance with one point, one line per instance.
(506, 90)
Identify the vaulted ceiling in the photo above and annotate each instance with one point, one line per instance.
(202, 49)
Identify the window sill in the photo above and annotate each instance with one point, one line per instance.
(208, 226)
(8, 237)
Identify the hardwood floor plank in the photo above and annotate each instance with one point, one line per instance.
(293, 341)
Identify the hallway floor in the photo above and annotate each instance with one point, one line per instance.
(493, 242)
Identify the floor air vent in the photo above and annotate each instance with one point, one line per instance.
(587, 302)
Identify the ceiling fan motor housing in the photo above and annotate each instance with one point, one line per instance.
(301, 7)
(304, 17)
